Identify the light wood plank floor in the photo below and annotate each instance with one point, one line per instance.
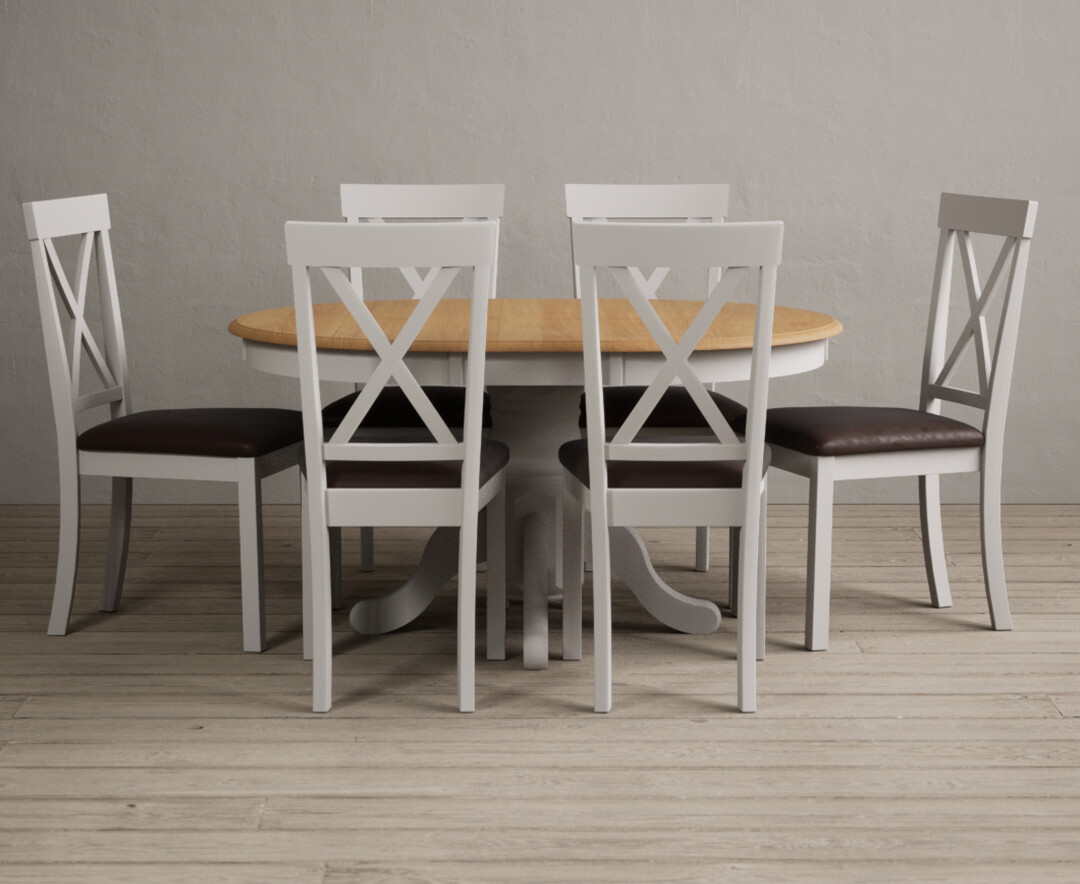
(145, 746)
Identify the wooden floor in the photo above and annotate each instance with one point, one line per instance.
(146, 747)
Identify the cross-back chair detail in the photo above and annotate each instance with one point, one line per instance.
(55, 290)
(627, 476)
(395, 203)
(833, 443)
(993, 363)
(371, 480)
(239, 445)
(671, 203)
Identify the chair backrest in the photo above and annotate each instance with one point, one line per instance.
(379, 203)
(747, 252)
(87, 218)
(959, 217)
(321, 251)
(649, 202)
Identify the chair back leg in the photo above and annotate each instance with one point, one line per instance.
(119, 534)
(249, 495)
(819, 555)
(997, 597)
(933, 541)
(67, 556)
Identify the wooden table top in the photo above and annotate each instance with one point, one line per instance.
(534, 325)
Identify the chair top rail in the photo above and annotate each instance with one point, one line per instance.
(47, 219)
(410, 244)
(449, 201)
(984, 214)
(615, 244)
(705, 201)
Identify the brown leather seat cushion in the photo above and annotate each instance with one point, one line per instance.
(675, 408)
(836, 430)
(574, 456)
(414, 474)
(206, 432)
(392, 409)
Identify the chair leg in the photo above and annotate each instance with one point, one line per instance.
(317, 625)
(337, 601)
(997, 596)
(701, 548)
(119, 533)
(466, 615)
(601, 560)
(251, 557)
(734, 539)
(496, 577)
(819, 555)
(67, 557)
(747, 629)
(305, 579)
(572, 577)
(367, 548)
(933, 541)
(762, 550)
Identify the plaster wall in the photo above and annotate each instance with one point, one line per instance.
(211, 123)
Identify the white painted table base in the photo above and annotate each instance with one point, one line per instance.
(535, 400)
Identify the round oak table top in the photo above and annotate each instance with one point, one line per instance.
(535, 325)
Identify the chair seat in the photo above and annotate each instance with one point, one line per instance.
(414, 474)
(203, 432)
(675, 408)
(837, 430)
(392, 409)
(574, 456)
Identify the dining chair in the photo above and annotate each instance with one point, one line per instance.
(389, 203)
(434, 477)
(239, 445)
(829, 444)
(625, 475)
(672, 203)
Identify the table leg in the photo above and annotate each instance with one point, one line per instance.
(438, 564)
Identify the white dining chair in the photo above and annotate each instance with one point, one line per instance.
(829, 444)
(433, 478)
(390, 203)
(625, 475)
(678, 203)
(239, 445)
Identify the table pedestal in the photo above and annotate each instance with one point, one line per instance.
(534, 421)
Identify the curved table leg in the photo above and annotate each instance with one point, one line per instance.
(630, 563)
(437, 565)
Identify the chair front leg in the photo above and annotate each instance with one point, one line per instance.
(119, 534)
(601, 559)
(746, 630)
(761, 570)
(318, 632)
(933, 541)
(997, 596)
(67, 555)
(819, 555)
(251, 557)
(466, 615)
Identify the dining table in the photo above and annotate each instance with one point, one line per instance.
(534, 374)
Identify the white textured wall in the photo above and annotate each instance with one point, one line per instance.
(211, 123)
